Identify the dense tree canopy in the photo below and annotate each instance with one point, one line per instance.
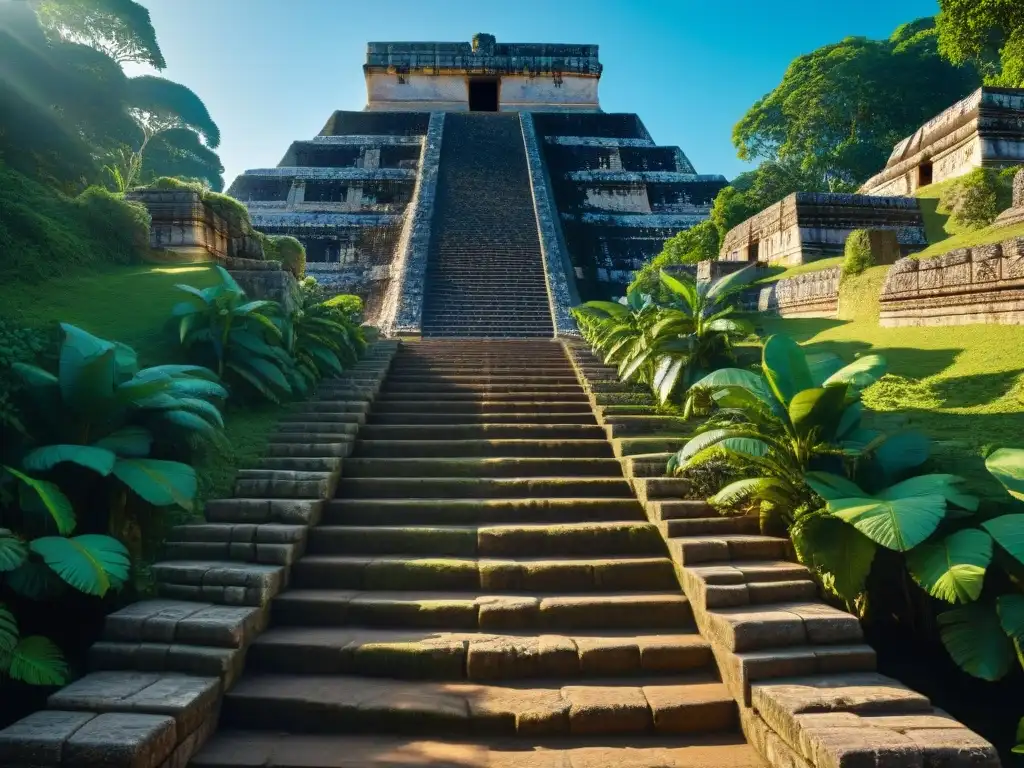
(67, 108)
(840, 109)
(119, 28)
(986, 33)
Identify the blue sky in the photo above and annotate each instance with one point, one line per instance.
(272, 71)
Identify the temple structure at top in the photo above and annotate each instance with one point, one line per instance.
(481, 185)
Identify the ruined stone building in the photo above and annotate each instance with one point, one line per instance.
(984, 129)
(475, 168)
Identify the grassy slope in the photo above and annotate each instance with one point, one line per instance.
(943, 235)
(800, 269)
(132, 305)
(962, 385)
(993, 234)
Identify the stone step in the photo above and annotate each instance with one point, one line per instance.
(479, 397)
(520, 467)
(697, 550)
(481, 488)
(412, 512)
(428, 654)
(568, 448)
(680, 510)
(524, 407)
(763, 627)
(568, 574)
(304, 512)
(472, 417)
(206, 661)
(300, 463)
(487, 377)
(219, 582)
(296, 449)
(330, 406)
(644, 446)
(329, 421)
(254, 749)
(694, 703)
(478, 431)
(272, 544)
(394, 388)
(538, 539)
(711, 526)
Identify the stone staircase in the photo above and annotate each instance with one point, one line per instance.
(483, 590)
(485, 274)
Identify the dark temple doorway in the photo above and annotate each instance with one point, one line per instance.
(483, 94)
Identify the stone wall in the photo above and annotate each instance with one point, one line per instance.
(984, 284)
(984, 129)
(1014, 214)
(183, 226)
(812, 294)
(266, 280)
(806, 226)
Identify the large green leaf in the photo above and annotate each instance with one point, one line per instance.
(130, 442)
(947, 486)
(850, 420)
(44, 495)
(99, 460)
(35, 581)
(12, 550)
(1007, 466)
(684, 286)
(37, 661)
(832, 487)
(161, 483)
(764, 488)
(177, 372)
(899, 524)
(861, 373)
(785, 367)
(609, 308)
(748, 446)
(35, 377)
(268, 371)
(1008, 531)
(8, 632)
(822, 365)
(90, 563)
(208, 411)
(976, 641)
(952, 569)
(195, 387)
(189, 421)
(723, 287)
(255, 382)
(836, 550)
(699, 442)
(902, 452)
(817, 411)
(666, 376)
(87, 368)
(1011, 616)
(738, 377)
(137, 390)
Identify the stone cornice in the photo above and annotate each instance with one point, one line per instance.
(598, 141)
(262, 219)
(642, 177)
(641, 220)
(335, 174)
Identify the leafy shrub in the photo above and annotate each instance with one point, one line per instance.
(857, 253)
(671, 344)
(349, 306)
(289, 251)
(231, 210)
(690, 246)
(975, 200)
(45, 233)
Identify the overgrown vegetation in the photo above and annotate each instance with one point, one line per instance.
(699, 243)
(974, 200)
(857, 255)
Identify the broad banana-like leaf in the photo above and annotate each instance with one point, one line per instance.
(12, 551)
(266, 324)
(861, 373)
(731, 325)
(898, 524)
(925, 485)
(725, 286)
(269, 372)
(8, 631)
(976, 641)
(832, 487)
(850, 420)
(748, 446)
(137, 390)
(1011, 616)
(952, 569)
(159, 482)
(737, 377)
(186, 387)
(254, 381)
(822, 365)
(1008, 531)
(99, 460)
(902, 452)
(699, 442)
(818, 411)
(606, 307)
(130, 442)
(126, 361)
(227, 281)
(765, 488)
(785, 367)
(42, 495)
(86, 375)
(263, 306)
(90, 563)
(37, 661)
(830, 546)
(35, 377)
(667, 376)
(176, 372)
(197, 298)
(1007, 466)
(684, 286)
(189, 421)
(207, 410)
(183, 308)
(35, 581)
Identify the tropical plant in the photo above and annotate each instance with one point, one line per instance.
(236, 337)
(671, 345)
(101, 413)
(318, 344)
(801, 414)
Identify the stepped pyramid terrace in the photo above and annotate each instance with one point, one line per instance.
(476, 167)
(464, 551)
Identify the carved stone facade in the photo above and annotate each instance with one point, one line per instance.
(185, 229)
(984, 284)
(345, 195)
(1015, 214)
(806, 226)
(619, 196)
(458, 77)
(813, 294)
(984, 129)
(266, 280)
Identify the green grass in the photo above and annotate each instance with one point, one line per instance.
(961, 385)
(130, 304)
(784, 273)
(992, 234)
(937, 226)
